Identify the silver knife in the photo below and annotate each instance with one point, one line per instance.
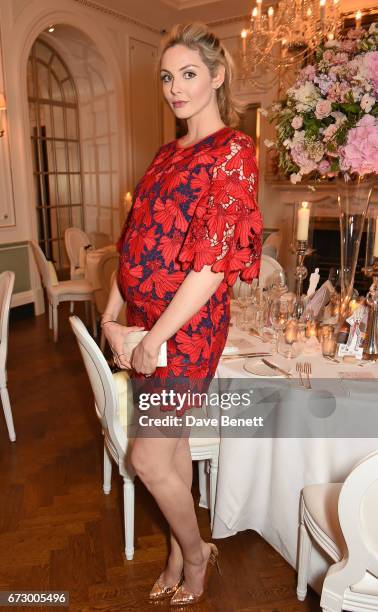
(242, 355)
(276, 368)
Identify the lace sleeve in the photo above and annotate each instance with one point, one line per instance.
(225, 231)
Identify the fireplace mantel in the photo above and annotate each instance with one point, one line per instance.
(323, 195)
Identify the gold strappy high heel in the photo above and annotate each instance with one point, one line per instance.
(182, 597)
(160, 592)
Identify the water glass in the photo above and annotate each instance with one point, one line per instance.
(329, 344)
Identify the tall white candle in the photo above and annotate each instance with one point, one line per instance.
(375, 249)
(253, 19)
(243, 35)
(303, 221)
(358, 17)
(270, 17)
(258, 4)
(322, 10)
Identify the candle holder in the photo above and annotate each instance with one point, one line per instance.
(370, 345)
(301, 273)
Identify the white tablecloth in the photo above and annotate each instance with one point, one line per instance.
(260, 479)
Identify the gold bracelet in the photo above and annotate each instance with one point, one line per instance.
(109, 321)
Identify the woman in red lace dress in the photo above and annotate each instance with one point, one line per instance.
(194, 228)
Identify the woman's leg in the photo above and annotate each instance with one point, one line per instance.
(154, 461)
(183, 464)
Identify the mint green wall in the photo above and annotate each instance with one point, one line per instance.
(15, 256)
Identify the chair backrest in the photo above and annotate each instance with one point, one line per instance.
(6, 288)
(107, 265)
(267, 269)
(273, 241)
(42, 264)
(74, 238)
(104, 391)
(358, 512)
(99, 239)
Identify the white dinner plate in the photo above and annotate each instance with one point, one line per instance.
(258, 368)
(230, 349)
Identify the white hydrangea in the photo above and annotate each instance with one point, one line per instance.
(306, 96)
(298, 137)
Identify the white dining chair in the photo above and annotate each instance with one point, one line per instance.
(114, 408)
(6, 288)
(267, 268)
(76, 290)
(99, 239)
(74, 240)
(342, 518)
(272, 245)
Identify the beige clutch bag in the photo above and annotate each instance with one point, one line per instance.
(133, 339)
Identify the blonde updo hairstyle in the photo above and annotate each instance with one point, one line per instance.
(197, 36)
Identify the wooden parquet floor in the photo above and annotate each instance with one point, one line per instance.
(58, 531)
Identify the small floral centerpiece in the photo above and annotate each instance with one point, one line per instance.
(328, 123)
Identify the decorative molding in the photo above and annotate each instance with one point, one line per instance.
(186, 4)
(229, 20)
(123, 17)
(116, 15)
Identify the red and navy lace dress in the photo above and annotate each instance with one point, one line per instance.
(194, 206)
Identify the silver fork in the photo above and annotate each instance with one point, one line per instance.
(307, 371)
(299, 369)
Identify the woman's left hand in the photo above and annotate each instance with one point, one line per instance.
(145, 357)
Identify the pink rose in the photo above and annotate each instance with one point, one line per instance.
(324, 166)
(297, 122)
(323, 109)
(328, 56)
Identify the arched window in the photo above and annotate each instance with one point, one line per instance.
(55, 139)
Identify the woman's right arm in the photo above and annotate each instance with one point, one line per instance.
(114, 304)
(115, 333)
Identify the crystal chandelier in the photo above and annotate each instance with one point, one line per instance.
(281, 37)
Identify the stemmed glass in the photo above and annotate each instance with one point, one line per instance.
(278, 315)
(244, 295)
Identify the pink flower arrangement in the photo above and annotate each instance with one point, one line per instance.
(328, 122)
(360, 154)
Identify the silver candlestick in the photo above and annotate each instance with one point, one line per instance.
(370, 345)
(301, 273)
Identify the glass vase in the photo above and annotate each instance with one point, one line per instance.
(353, 203)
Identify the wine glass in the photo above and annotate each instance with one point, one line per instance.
(278, 315)
(243, 296)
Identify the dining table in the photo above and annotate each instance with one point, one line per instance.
(312, 435)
